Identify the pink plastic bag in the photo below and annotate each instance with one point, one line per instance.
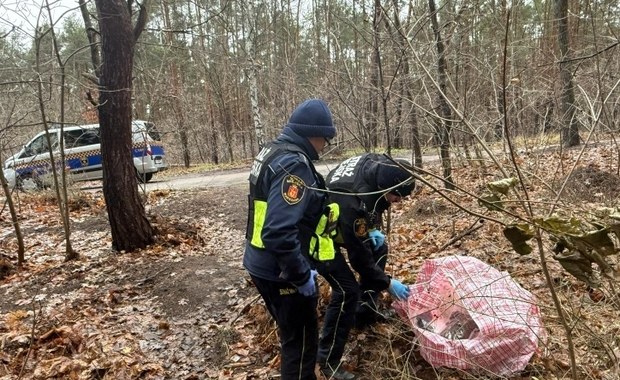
(468, 315)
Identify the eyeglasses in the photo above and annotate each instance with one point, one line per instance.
(328, 141)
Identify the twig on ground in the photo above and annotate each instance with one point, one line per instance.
(475, 226)
(150, 278)
(32, 331)
(244, 309)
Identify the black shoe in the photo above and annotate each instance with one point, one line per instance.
(367, 319)
(338, 374)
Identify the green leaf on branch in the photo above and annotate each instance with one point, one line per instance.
(558, 225)
(491, 202)
(503, 185)
(518, 235)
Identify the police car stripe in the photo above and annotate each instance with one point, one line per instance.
(83, 156)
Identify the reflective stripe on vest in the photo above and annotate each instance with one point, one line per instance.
(260, 212)
(322, 244)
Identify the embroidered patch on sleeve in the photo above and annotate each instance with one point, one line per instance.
(360, 228)
(293, 189)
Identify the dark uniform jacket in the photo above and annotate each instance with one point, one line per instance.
(292, 211)
(359, 214)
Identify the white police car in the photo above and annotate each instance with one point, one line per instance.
(31, 167)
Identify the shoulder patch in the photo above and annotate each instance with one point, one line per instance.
(360, 228)
(293, 189)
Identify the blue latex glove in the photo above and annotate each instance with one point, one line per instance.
(308, 288)
(377, 238)
(398, 290)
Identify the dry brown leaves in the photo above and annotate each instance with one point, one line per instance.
(87, 319)
(429, 226)
(98, 331)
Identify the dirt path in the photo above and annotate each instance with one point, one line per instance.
(237, 177)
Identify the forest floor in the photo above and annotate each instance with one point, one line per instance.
(184, 307)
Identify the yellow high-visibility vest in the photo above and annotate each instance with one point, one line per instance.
(321, 244)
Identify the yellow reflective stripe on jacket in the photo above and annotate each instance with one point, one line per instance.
(321, 244)
(260, 212)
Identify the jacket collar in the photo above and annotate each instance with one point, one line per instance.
(288, 136)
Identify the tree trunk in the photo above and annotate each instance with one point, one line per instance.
(377, 20)
(130, 228)
(406, 94)
(443, 122)
(210, 134)
(93, 39)
(175, 88)
(570, 130)
(14, 217)
(56, 161)
(372, 110)
(252, 68)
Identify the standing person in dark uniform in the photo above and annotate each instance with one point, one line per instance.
(284, 224)
(363, 187)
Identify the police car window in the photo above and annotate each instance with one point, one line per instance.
(71, 137)
(39, 145)
(87, 137)
(152, 131)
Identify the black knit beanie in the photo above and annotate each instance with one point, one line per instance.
(390, 174)
(312, 118)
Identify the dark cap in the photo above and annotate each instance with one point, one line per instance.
(312, 118)
(390, 174)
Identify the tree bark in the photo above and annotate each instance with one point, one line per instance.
(406, 94)
(372, 107)
(377, 20)
(175, 87)
(56, 161)
(443, 121)
(570, 130)
(14, 217)
(93, 39)
(130, 227)
(251, 71)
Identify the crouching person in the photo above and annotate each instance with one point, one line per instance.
(363, 187)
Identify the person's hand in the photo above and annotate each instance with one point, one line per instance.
(377, 238)
(308, 288)
(398, 290)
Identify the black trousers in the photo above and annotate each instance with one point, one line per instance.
(340, 313)
(296, 318)
(368, 308)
